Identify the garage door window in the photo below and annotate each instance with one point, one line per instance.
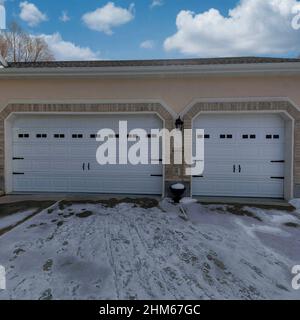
(59, 136)
(77, 136)
(226, 136)
(274, 136)
(41, 136)
(23, 135)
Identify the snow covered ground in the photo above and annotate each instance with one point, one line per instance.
(14, 219)
(117, 250)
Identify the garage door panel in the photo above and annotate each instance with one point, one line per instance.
(218, 168)
(31, 150)
(40, 183)
(213, 187)
(58, 154)
(219, 187)
(117, 184)
(262, 152)
(260, 169)
(264, 188)
(244, 155)
(212, 151)
(47, 165)
(97, 183)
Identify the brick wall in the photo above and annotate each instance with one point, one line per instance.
(172, 172)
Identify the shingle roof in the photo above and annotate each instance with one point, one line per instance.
(149, 63)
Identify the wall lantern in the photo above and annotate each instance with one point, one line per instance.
(179, 124)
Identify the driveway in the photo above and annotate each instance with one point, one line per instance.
(142, 249)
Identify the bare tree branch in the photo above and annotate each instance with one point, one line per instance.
(17, 45)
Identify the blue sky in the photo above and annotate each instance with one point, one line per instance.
(128, 29)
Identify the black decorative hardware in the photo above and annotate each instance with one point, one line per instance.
(179, 124)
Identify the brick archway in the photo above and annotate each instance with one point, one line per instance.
(255, 106)
(57, 108)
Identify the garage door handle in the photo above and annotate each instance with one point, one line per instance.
(234, 168)
(88, 166)
(83, 166)
(240, 169)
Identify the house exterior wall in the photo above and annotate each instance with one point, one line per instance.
(176, 95)
(176, 92)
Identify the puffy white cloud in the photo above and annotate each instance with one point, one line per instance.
(31, 14)
(156, 3)
(147, 44)
(253, 27)
(66, 50)
(64, 17)
(108, 17)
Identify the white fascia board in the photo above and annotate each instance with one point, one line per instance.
(290, 68)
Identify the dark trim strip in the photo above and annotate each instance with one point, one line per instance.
(156, 175)
(279, 178)
(198, 176)
(18, 173)
(277, 161)
(16, 158)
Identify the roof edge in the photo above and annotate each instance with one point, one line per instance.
(123, 71)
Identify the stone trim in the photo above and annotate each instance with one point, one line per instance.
(252, 106)
(242, 106)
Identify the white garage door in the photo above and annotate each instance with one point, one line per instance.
(58, 154)
(244, 156)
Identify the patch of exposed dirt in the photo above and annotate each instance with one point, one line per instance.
(84, 214)
(146, 203)
(292, 225)
(11, 208)
(60, 223)
(46, 295)
(237, 210)
(48, 265)
(18, 251)
(7, 209)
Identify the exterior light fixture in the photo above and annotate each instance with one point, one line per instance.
(179, 124)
